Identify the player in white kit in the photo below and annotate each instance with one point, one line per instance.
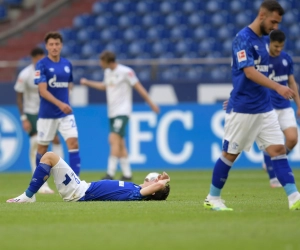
(28, 102)
(118, 83)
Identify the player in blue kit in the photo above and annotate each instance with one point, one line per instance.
(71, 188)
(281, 71)
(250, 116)
(53, 76)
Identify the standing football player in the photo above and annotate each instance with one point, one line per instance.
(53, 76)
(118, 82)
(250, 115)
(281, 71)
(28, 102)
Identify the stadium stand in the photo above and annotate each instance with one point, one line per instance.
(159, 29)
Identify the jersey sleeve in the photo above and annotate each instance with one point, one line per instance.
(131, 77)
(20, 83)
(39, 75)
(242, 52)
(291, 65)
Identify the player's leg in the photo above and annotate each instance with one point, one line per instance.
(32, 141)
(40, 176)
(68, 129)
(271, 137)
(124, 162)
(113, 158)
(46, 132)
(238, 128)
(57, 147)
(288, 125)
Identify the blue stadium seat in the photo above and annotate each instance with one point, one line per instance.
(236, 6)
(189, 7)
(294, 31)
(3, 12)
(218, 20)
(97, 75)
(213, 6)
(68, 34)
(83, 21)
(243, 19)
(166, 7)
(196, 19)
(102, 7)
(144, 74)
(227, 47)
(200, 33)
(226, 32)
(135, 48)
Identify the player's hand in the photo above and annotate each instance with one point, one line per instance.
(225, 104)
(83, 81)
(155, 108)
(26, 125)
(65, 108)
(285, 91)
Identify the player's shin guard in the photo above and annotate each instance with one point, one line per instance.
(284, 174)
(32, 152)
(220, 175)
(269, 166)
(75, 161)
(40, 175)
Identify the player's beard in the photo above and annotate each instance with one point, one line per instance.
(263, 29)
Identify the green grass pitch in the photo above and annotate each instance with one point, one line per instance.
(260, 220)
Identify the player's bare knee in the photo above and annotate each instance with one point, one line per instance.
(72, 143)
(275, 150)
(49, 158)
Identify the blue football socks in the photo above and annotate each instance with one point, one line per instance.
(75, 161)
(269, 166)
(38, 158)
(284, 174)
(220, 174)
(40, 175)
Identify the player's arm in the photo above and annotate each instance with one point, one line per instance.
(255, 76)
(157, 186)
(143, 93)
(93, 84)
(49, 97)
(293, 85)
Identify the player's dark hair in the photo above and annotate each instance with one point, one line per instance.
(108, 56)
(37, 52)
(272, 5)
(160, 195)
(277, 36)
(54, 35)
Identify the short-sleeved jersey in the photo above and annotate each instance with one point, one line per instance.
(119, 84)
(280, 68)
(57, 75)
(113, 190)
(25, 84)
(249, 50)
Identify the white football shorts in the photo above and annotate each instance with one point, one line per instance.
(47, 129)
(241, 130)
(68, 184)
(286, 118)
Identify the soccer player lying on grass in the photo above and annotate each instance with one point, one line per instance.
(71, 188)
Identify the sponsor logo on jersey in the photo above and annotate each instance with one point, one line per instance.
(284, 62)
(260, 68)
(54, 84)
(121, 183)
(10, 139)
(37, 74)
(67, 69)
(241, 55)
(275, 78)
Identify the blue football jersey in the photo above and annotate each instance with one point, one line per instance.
(248, 49)
(57, 75)
(280, 68)
(112, 190)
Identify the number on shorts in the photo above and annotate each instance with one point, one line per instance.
(118, 124)
(73, 124)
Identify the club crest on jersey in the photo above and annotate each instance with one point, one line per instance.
(51, 69)
(284, 62)
(67, 69)
(37, 74)
(241, 55)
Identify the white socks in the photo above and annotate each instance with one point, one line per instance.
(112, 165)
(125, 166)
(58, 149)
